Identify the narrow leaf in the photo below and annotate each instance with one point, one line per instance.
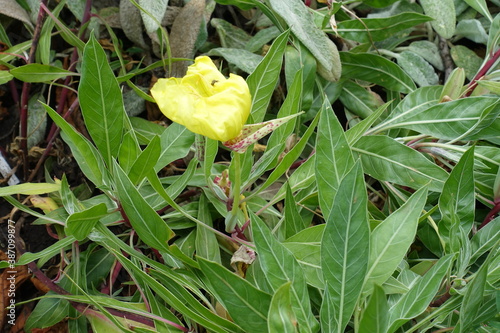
(146, 222)
(391, 239)
(281, 318)
(280, 267)
(247, 305)
(376, 315)
(101, 101)
(345, 246)
(333, 157)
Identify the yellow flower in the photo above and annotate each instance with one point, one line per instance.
(205, 101)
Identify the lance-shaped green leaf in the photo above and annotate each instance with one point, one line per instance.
(176, 141)
(473, 299)
(461, 119)
(263, 80)
(376, 315)
(300, 20)
(206, 243)
(151, 229)
(366, 30)
(101, 101)
(374, 68)
(388, 160)
(145, 162)
(281, 318)
(333, 157)
(279, 267)
(392, 238)
(414, 302)
(29, 189)
(86, 155)
(457, 201)
(345, 247)
(80, 224)
(247, 305)
(39, 73)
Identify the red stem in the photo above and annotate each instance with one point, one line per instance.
(26, 89)
(482, 72)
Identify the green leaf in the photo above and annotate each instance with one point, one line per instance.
(247, 305)
(243, 59)
(279, 267)
(467, 59)
(5, 76)
(151, 229)
(419, 69)
(86, 155)
(293, 222)
(473, 30)
(101, 101)
(481, 7)
(281, 318)
(457, 201)
(494, 35)
(379, 3)
(80, 224)
(306, 248)
(29, 189)
(443, 13)
(358, 99)
(37, 120)
(48, 312)
(473, 299)
(230, 36)
(470, 116)
(206, 243)
(39, 73)
(301, 22)
(152, 13)
(420, 295)
(391, 239)
(367, 30)
(375, 316)
(484, 239)
(388, 160)
(263, 80)
(354, 133)
(374, 68)
(145, 162)
(176, 141)
(345, 247)
(333, 158)
(429, 51)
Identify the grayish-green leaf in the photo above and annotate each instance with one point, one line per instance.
(473, 30)
(37, 120)
(155, 10)
(281, 318)
(301, 22)
(443, 13)
(243, 59)
(429, 51)
(467, 59)
(419, 69)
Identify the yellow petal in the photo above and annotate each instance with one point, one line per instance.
(205, 101)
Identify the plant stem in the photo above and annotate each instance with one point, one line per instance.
(482, 72)
(26, 89)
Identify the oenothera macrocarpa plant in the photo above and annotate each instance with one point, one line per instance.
(388, 226)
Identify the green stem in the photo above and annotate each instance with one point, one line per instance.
(231, 222)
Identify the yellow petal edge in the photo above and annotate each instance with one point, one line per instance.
(205, 101)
